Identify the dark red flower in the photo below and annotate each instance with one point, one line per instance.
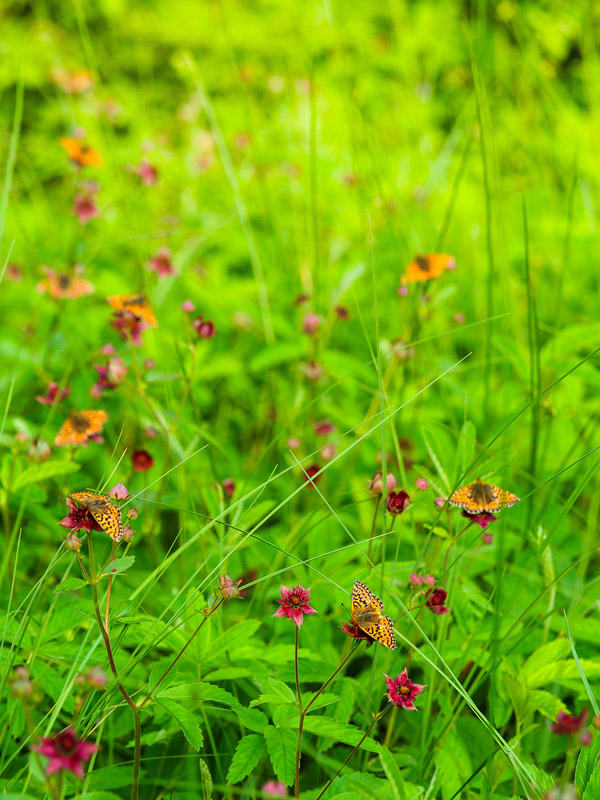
(141, 460)
(310, 472)
(342, 313)
(228, 487)
(323, 427)
(54, 395)
(567, 723)
(352, 630)
(66, 752)
(84, 204)
(205, 328)
(129, 326)
(79, 518)
(483, 520)
(402, 691)
(302, 298)
(111, 375)
(161, 263)
(397, 502)
(435, 599)
(294, 604)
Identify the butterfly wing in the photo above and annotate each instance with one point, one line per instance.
(462, 497)
(480, 498)
(382, 631)
(426, 267)
(507, 499)
(104, 513)
(78, 427)
(136, 305)
(364, 601)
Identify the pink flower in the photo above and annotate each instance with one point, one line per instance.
(422, 484)
(352, 630)
(429, 580)
(188, 306)
(108, 350)
(129, 326)
(161, 263)
(487, 538)
(415, 579)
(323, 427)
(66, 752)
(148, 173)
(397, 502)
(483, 520)
(403, 291)
(293, 443)
(79, 519)
(84, 204)
(402, 691)
(294, 603)
(459, 318)
(54, 395)
(585, 738)
(128, 533)
(228, 487)
(328, 452)
(567, 723)
(72, 543)
(435, 599)
(376, 485)
(141, 460)
(275, 788)
(205, 328)
(311, 324)
(118, 492)
(111, 376)
(440, 502)
(229, 589)
(132, 513)
(151, 433)
(95, 678)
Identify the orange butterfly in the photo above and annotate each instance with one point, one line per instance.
(79, 427)
(80, 153)
(367, 615)
(480, 498)
(62, 286)
(104, 513)
(426, 267)
(136, 304)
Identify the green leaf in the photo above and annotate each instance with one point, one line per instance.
(392, 773)
(276, 355)
(465, 450)
(547, 654)
(206, 778)
(51, 468)
(280, 694)
(587, 764)
(184, 719)
(592, 790)
(542, 781)
(434, 448)
(70, 585)
(247, 755)
(119, 565)
(340, 731)
(281, 745)
(564, 670)
(200, 691)
(252, 719)
(546, 703)
(97, 796)
(162, 377)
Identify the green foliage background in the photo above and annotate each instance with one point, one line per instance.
(308, 148)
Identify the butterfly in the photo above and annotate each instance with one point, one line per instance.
(136, 304)
(424, 268)
(79, 427)
(103, 512)
(366, 614)
(81, 154)
(480, 498)
(62, 286)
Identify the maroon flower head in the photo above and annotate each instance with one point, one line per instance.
(310, 473)
(352, 630)
(397, 502)
(401, 691)
(66, 752)
(78, 519)
(129, 326)
(483, 520)
(85, 208)
(161, 263)
(53, 394)
(323, 427)
(111, 375)
(294, 604)
(342, 313)
(376, 485)
(228, 487)
(567, 723)
(205, 328)
(141, 460)
(228, 588)
(435, 599)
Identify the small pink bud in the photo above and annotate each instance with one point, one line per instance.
(132, 513)
(328, 452)
(415, 579)
(118, 492)
(459, 318)
(585, 737)
(128, 534)
(108, 350)
(73, 543)
(311, 323)
(228, 487)
(377, 482)
(440, 502)
(429, 580)
(149, 364)
(403, 291)
(188, 306)
(487, 538)
(293, 443)
(422, 484)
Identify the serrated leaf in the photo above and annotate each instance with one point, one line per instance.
(587, 764)
(542, 781)
(253, 719)
(564, 670)
(247, 755)
(206, 779)
(281, 746)
(547, 654)
(546, 703)
(339, 731)
(592, 790)
(278, 694)
(119, 565)
(392, 773)
(70, 585)
(184, 719)
(51, 468)
(200, 691)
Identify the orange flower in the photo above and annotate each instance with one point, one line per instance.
(72, 82)
(80, 153)
(427, 267)
(61, 285)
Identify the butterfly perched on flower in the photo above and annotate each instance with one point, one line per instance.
(479, 498)
(135, 304)
(79, 427)
(102, 510)
(367, 615)
(80, 154)
(62, 286)
(427, 267)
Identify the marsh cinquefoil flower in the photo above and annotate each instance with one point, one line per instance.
(66, 752)
(483, 520)
(228, 588)
(402, 691)
(435, 600)
(397, 502)
(141, 460)
(567, 723)
(294, 604)
(78, 519)
(53, 395)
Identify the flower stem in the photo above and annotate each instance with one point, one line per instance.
(376, 718)
(296, 665)
(207, 614)
(304, 712)
(370, 548)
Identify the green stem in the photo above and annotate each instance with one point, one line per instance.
(373, 523)
(376, 718)
(304, 712)
(296, 665)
